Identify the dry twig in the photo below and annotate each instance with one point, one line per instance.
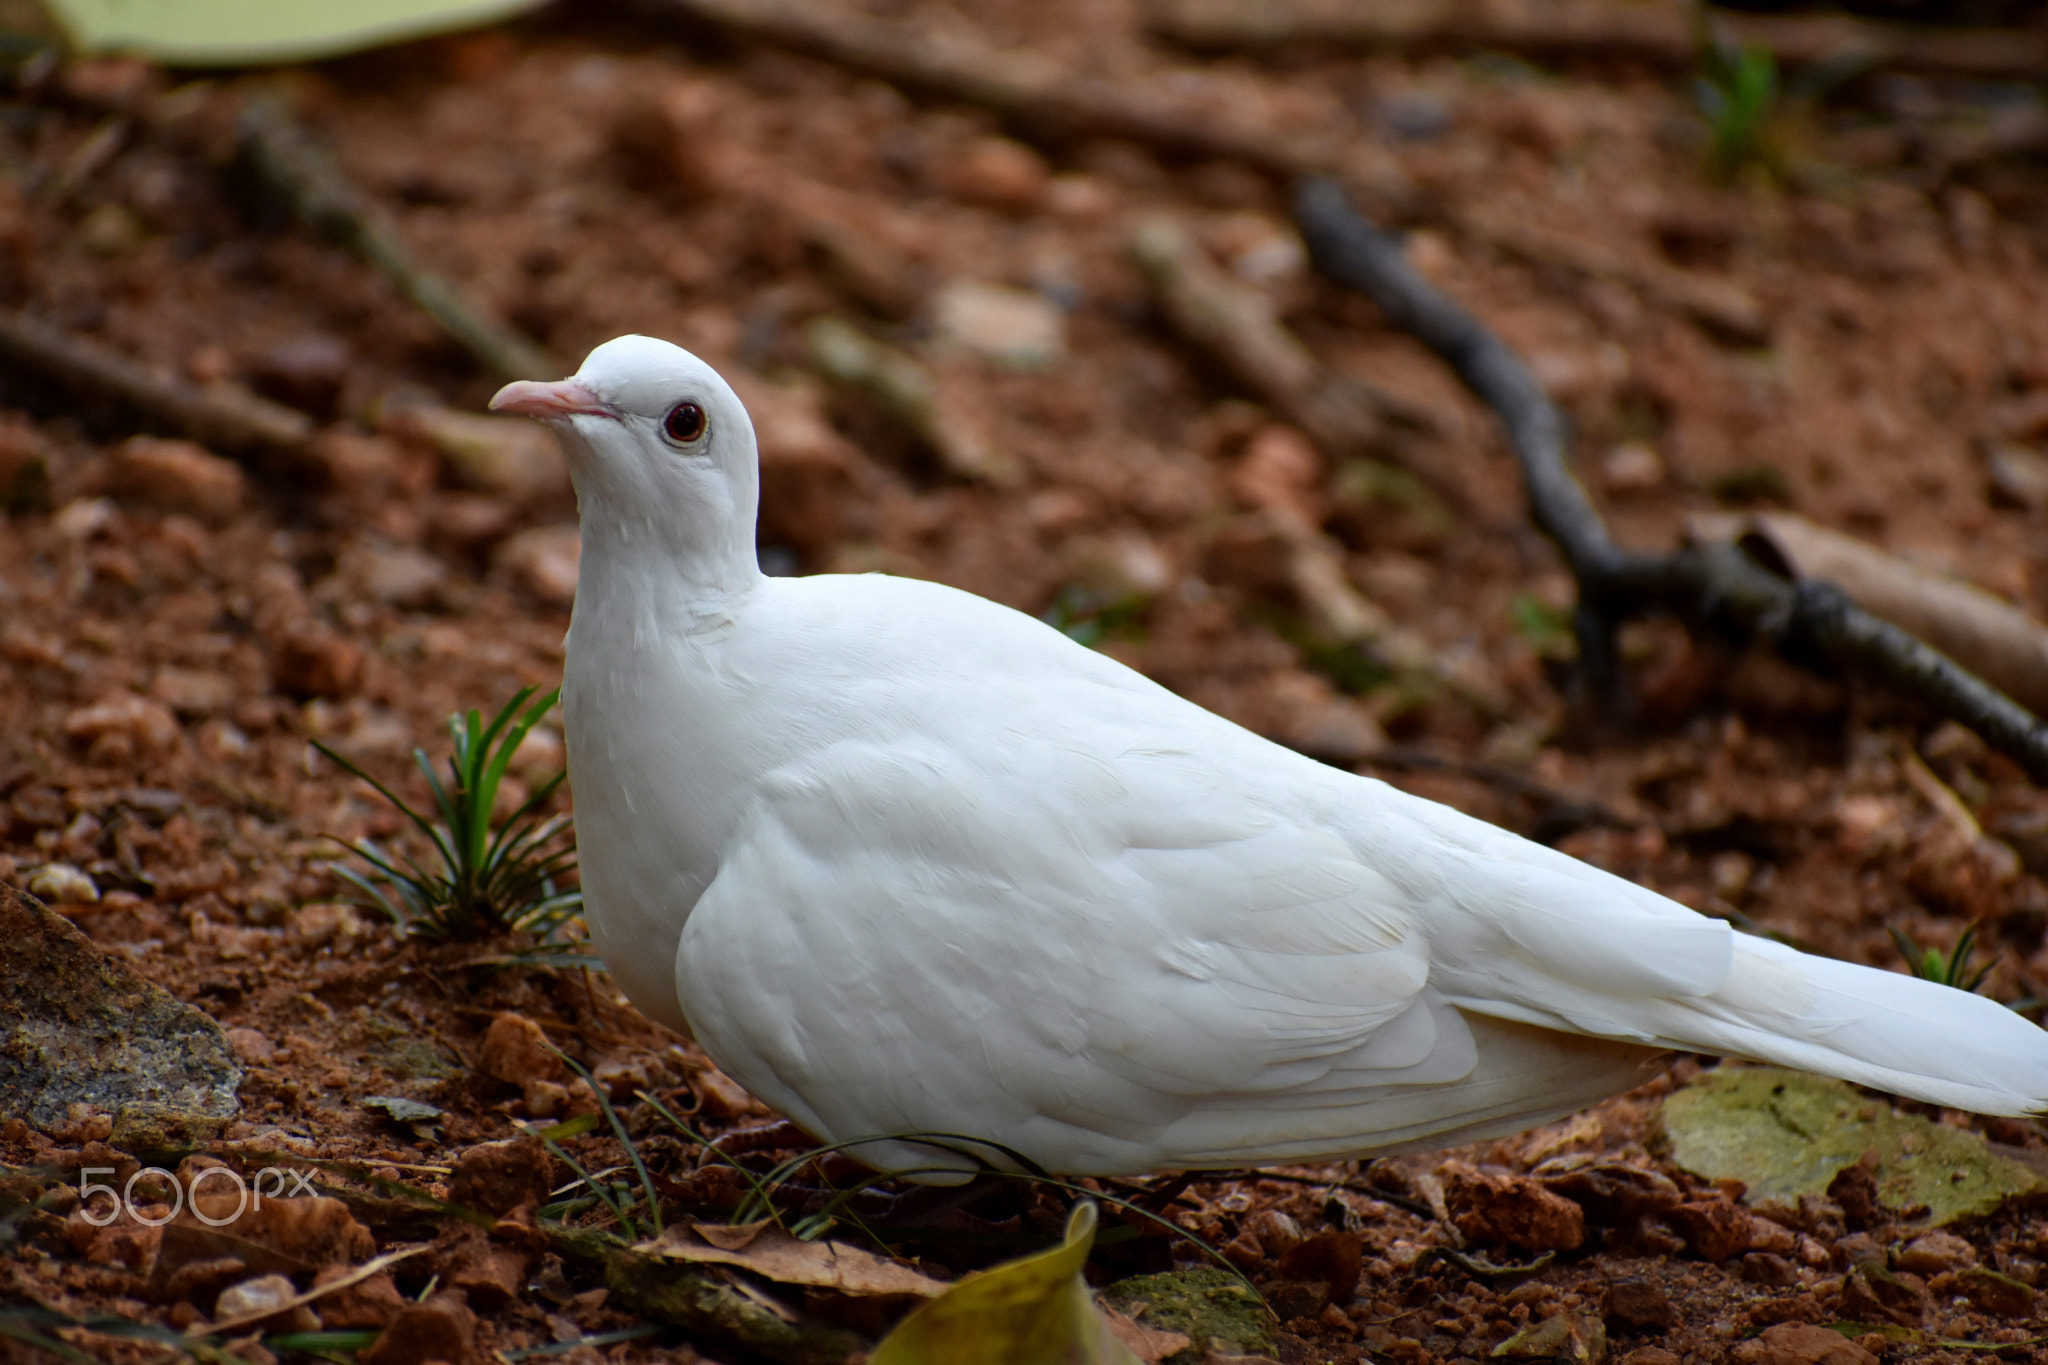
(301, 172)
(1710, 585)
(224, 416)
(912, 396)
(1236, 326)
(1014, 84)
(1665, 35)
(1991, 637)
(375, 1266)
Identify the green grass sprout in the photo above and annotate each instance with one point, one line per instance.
(490, 877)
(22, 1324)
(1543, 627)
(625, 1139)
(1739, 98)
(1092, 618)
(1949, 969)
(616, 1198)
(335, 1345)
(711, 1148)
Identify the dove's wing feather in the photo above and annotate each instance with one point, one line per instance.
(1004, 984)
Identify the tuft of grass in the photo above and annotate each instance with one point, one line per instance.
(1091, 617)
(1739, 98)
(485, 877)
(1544, 628)
(1949, 969)
(619, 1199)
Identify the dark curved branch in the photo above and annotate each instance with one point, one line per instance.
(1708, 585)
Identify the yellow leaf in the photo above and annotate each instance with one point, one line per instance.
(233, 32)
(1036, 1311)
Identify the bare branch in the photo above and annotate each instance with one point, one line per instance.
(1014, 84)
(224, 416)
(1235, 324)
(913, 396)
(301, 172)
(1708, 585)
(1987, 635)
(1662, 35)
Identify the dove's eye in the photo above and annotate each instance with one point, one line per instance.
(685, 423)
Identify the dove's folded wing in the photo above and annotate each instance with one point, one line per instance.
(1121, 966)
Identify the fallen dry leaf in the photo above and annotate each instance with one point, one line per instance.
(1149, 1344)
(769, 1251)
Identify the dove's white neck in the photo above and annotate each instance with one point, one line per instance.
(629, 546)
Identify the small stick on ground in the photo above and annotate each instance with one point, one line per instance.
(1235, 325)
(1715, 586)
(1016, 85)
(1662, 35)
(1986, 634)
(912, 396)
(301, 172)
(223, 416)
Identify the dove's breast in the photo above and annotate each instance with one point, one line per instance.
(678, 719)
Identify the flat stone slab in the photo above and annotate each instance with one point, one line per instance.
(80, 1027)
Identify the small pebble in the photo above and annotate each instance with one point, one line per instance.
(1010, 326)
(1000, 173)
(543, 560)
(62, 884)
(178, 476)
(264, 1294)
(1631, 468)
(251, 1045)
(1933, 1252)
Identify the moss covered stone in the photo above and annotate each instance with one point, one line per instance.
(1217, 1310)
(79, 1027)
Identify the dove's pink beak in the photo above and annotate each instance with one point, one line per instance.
(549, 402)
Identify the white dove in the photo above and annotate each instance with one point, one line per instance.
(905, 861)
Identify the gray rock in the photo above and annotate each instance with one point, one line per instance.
(79, 1027)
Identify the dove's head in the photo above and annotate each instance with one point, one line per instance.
(662, 454)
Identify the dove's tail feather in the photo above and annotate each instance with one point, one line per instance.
(1892, 1032)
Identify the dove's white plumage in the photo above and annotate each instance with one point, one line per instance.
(904, 860)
